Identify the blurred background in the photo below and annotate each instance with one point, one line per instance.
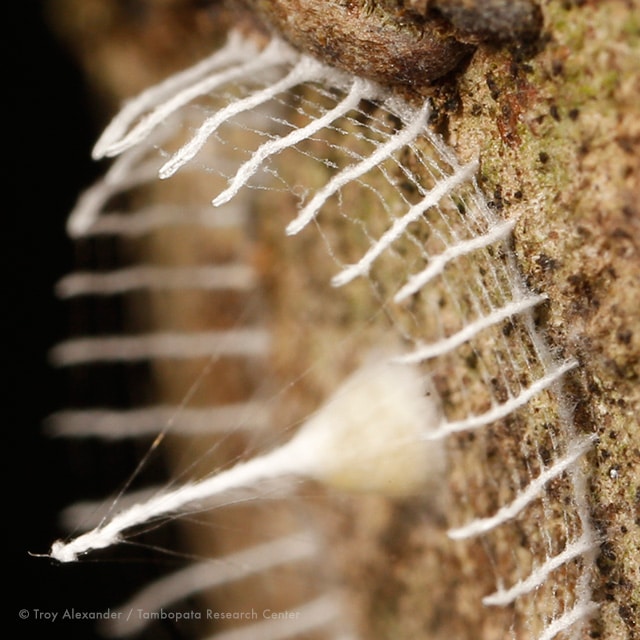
(50, 131)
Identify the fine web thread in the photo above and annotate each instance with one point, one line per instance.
(99, 215)
(432, 253)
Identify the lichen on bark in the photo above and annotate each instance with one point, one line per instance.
(559, 140)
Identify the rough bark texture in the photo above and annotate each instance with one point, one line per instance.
(560, 146)
(558, 134)
(390, 46)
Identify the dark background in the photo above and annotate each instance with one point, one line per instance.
(49, 131)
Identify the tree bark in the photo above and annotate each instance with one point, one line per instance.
(557, 131)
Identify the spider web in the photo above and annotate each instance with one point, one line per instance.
(389, 230)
